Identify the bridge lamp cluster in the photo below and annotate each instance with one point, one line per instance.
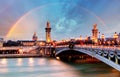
(41, 43)
(58, 58)
(20, 51)
(3, 48)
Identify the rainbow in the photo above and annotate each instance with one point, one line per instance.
(13, 28)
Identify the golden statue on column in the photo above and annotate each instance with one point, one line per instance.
(95, 33)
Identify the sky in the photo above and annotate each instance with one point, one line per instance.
(19, 19)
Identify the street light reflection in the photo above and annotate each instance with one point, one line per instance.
(4, 62)
(31, 62)
(19, 62)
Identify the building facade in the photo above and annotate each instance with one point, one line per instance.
(32, 43)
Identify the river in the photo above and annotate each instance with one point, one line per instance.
(47, 67)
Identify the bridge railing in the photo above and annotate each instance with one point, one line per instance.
(98, 47)
(108, 52)
(62, 46)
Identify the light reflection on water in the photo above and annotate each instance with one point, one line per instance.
(19, 62)
(30, 61)
(46, 67)
(3, 64)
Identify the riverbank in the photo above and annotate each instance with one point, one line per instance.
(19, 55)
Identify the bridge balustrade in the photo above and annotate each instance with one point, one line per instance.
(105, 53)
(109, 53)
(118, 54)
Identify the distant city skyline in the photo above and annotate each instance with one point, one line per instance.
(19, 19)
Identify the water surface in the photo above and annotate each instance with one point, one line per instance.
(46, 67)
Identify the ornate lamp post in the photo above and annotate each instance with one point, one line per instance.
(115, 36)
(102, 38)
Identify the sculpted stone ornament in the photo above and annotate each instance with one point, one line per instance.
(95, 26)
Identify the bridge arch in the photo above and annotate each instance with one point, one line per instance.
(75, 55)
(92, 54)
(68, 49)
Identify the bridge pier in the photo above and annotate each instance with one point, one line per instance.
(47, 51)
